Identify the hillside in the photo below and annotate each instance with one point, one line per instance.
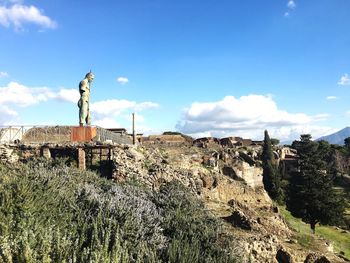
(165, 203)
(337, 137)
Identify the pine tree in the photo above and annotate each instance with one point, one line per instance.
(271, 175)
(311, 196)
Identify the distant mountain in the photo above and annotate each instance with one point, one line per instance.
(337, 137)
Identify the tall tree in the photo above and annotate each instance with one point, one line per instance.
(271, 175)
(311, 196)
(347, 144)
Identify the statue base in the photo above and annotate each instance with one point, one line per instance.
(83, 134)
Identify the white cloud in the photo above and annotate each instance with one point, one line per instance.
(344, 80)
(23, 96)
(105, 112)
(7, 115)
(17, 15)
(294, 132)
(111, 107)
(244, 109)
(3, 74)
(122, 80)
(291, 4)
(146, 105)
(68, 95)
(20, 95)
(17, 95)
(247, 116)
(331, 97)
(114, 107)
(107, 122)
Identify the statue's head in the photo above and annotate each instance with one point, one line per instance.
(90, 76)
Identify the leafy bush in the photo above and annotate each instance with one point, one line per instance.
(192, 231)
(53, 213)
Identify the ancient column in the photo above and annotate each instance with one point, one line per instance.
(81, 159)
(133, 129)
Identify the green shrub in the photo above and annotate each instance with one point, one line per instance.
(192, 230)
(50, 212)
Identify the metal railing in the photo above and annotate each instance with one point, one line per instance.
(13, 133)
(106, 135)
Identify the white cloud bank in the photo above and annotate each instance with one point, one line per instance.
(17, 95)
(104, 112)
(122, 80)
(18, 15)
(115, 107)
(248, 116)
(66, 95)
(344, 80)
(20, 95)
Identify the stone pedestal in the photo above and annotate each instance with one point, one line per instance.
(83, 134)
(81, 159)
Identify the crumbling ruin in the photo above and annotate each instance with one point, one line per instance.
(227, 179)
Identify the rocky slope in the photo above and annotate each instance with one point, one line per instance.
(229, 182)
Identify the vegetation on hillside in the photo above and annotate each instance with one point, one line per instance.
(310, 194)
(53, 213)
(314, 190)
(271, 174)
(336, 237)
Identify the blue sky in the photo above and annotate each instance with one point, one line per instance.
(201, 67)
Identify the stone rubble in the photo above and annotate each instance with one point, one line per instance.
(316, 258)
(8, 154)
(228, 180)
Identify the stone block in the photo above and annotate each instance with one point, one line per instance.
(83, 134)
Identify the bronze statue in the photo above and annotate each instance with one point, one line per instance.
(84, 101)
